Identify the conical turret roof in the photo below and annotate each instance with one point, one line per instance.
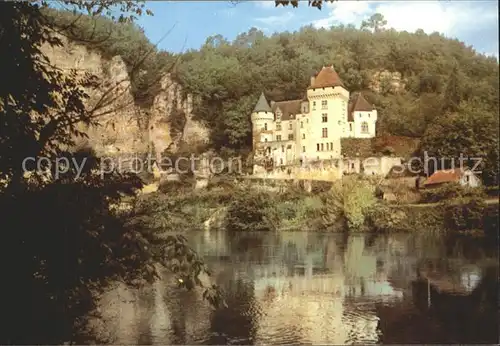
(262, 105)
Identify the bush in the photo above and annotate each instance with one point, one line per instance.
(175, 187)
(385, 218)
(251, 212)
(349, 201)
(465, 213)
(450, 191)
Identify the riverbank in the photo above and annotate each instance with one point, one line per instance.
(237, 206)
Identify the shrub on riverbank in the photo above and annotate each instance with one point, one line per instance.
(347, 203)
(450, 191)
(252, 212)
(465, 214)
(383, 218)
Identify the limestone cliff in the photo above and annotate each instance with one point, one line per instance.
(386, 81)
(124, 127)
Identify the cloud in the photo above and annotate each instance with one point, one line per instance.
(467, 20)
(444, 17)
(277, 21)
(265, 4)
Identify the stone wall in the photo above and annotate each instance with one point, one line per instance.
(331, 170)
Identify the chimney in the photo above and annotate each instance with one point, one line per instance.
(272, 104)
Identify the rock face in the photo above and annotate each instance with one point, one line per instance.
(386, 81)
(125, 128)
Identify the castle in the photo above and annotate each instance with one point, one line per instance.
(310, 129)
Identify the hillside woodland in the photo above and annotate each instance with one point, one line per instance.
(424, 86)
(64, 240)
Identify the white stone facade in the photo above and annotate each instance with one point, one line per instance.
(290, 132)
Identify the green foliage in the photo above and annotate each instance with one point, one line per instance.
(63, 241)
(175, 187)
(384, 218)
(228, 77)
(465, 213)
(146, 64)
(450, 191)
(348, 203)
(473, 132)
(251, 211)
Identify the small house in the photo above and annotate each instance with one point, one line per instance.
(464, 177)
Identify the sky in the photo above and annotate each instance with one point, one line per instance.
(180, 25)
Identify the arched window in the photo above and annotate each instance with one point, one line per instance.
(364, 127)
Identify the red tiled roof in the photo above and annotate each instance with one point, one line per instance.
(327, 77)
(358, 104)
(444, 176)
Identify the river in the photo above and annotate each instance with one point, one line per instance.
(317, 288)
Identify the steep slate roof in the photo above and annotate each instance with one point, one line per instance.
(288, 108)
(358, 104)
(327, 77)
(262, 105)
(444, 176)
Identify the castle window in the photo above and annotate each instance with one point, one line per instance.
(324, 104)
(322, 148)
(331, 146)
(265, 126)
(368, 115)
(265, 139)
(317, 147)
(278, 127)
(303, 136)
(290, 137)
(324, 117)
(281, 162)
(339, 122)
(303, 149)
(350, 127)
(290, 126)
(278, 138)
(324, 132)
(314, 105)
(282, 148)
(364, 127)
(301, 124)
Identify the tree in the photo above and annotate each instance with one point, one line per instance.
(295, 3)
(376, 22)
(63, 242)
(453, 92)
(471, 132)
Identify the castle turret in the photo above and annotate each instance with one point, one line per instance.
(262, 121)
(361, 118)
(328, 99)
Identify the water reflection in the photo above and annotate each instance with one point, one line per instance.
(319, 288)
